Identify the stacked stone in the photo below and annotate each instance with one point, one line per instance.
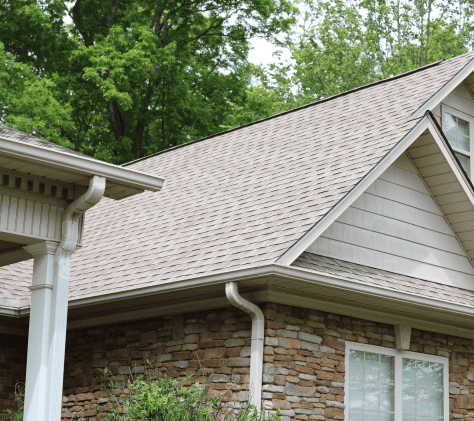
(12, 370)
(213, 346)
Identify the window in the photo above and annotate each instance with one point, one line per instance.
(383, 384)
(457, 129)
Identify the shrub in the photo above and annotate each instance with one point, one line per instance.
(167, 399)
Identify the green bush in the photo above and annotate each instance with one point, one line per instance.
(167, 399)
(20, 400)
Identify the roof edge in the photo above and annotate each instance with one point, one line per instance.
(447, 88)
(80, 165)
(437, 306)
(378, 82)
(319, 227)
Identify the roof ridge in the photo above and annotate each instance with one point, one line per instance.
(359, 88)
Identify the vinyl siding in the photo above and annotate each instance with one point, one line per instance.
(397, 226)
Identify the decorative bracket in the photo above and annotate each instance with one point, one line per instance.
(402, 337)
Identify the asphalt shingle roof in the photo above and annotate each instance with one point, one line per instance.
(241, 198)
(382, 278)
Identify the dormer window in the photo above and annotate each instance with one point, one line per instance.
(456, 126)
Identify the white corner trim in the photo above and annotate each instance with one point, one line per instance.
(307, 239)
(446, 89)
(79, 165)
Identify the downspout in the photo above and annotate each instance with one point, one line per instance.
(256, 349)
(67, 246)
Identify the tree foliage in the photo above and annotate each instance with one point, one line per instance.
(123, 78)
(136, 76)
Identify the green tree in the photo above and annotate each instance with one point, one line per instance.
(347, 44)
(28, 104)
(137, 76)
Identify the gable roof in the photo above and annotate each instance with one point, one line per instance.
(242, 198)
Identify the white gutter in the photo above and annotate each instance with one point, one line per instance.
(79, 165)
(258, 335)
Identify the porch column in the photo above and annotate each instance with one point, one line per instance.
(39, 333)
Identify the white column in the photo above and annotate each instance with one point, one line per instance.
(39, 331)
(58, 332)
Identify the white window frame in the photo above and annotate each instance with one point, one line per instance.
(456, 113)
(397, 374)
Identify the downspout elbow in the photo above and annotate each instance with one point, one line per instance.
(258, 335)
(73, 213)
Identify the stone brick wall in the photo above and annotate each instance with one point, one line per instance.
(303, 359)
(12, 369)
(211, 343)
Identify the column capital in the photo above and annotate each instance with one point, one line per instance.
(40, 249)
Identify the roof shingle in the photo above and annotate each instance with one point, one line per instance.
(242, 198)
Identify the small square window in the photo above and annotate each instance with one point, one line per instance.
(376, 377)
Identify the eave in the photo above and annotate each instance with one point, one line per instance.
(274, 283)
(33, 159)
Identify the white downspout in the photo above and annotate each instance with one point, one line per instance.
(62, 265)
(256, 350)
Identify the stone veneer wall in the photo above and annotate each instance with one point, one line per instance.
(12, 369)
(214, 343)
(303, 359)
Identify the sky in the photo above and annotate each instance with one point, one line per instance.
(262, 52)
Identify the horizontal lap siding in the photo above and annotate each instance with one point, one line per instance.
(396, 225)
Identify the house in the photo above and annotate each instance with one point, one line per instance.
(321, 258)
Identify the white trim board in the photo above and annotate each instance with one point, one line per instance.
(427, 123)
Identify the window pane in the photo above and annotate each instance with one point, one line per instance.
(436, 376)
(356, 416)
(371, 396)
(423, 402)
(371, 386)
(463, 143)
(422, 374)
(408, 399)
(386, 369)
(408, 373)
(371, 367)
(356, 365)
(452, 138)
(408, 418)
(450, 123)
(422, 391)
(436, 403)
(465, 163)
(386, 397)
(371, 416)
(356, 394)
(463, 127)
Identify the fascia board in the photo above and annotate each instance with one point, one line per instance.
(436, 306)
(446, 89)
(307, 239)
(79, 165)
